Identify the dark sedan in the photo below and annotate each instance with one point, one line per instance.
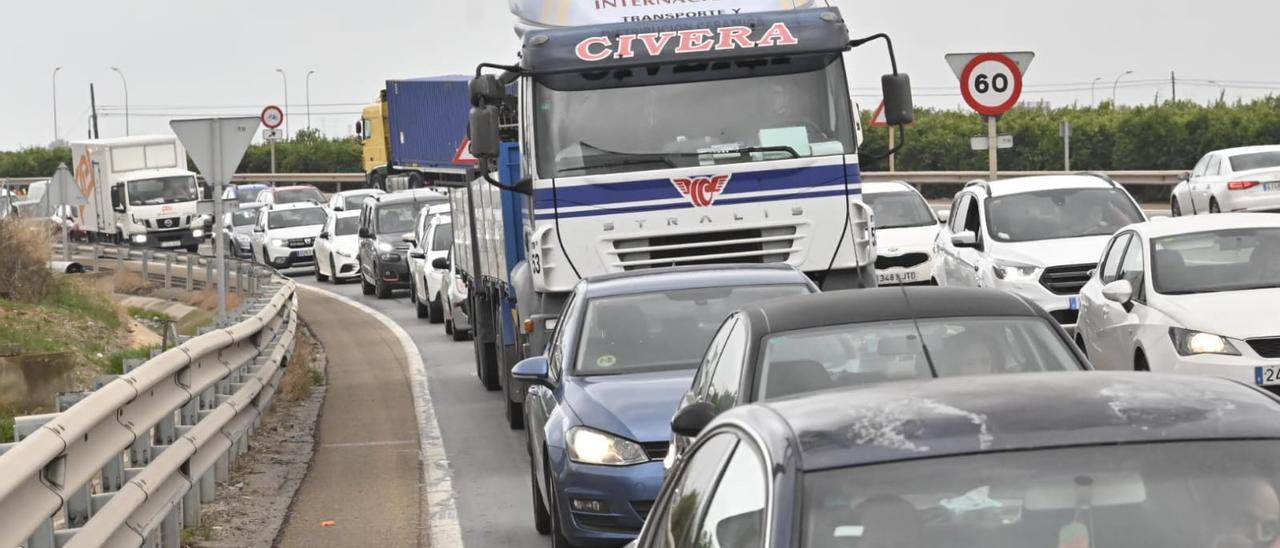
(599, 410)
(1050, 459)
(817, 342)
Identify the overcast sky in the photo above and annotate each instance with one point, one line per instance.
(218, 57)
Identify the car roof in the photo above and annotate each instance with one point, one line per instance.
(881, 187)
(1248, 149)
(405, 196)
(296, 187)
(942, 417)
(884, 304)
(361, 191)
(347, 213)
(1171, 226)
(688, 277)
(294, 205)
(1018, 185)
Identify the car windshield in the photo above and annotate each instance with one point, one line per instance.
(289, 218)
(1060, 213)
(797, 362)
(666, 330)
(1181, 495)
(443, 237)
(397, 218)
(353, 200)
(693, 123)
(1208, 262)
(163, 190)
(1255, 160)
(899, 209)
(246, 195)
(347, 226)
(244, 217)
(295, 195)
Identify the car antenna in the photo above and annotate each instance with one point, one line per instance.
(928, 358)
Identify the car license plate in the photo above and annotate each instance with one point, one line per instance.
(304, 252)
(1266, 375)
(1074, 303)
(1271, 187)
(174, 243)
(902, 277)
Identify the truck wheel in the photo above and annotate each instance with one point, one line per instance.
(487, 366)
(459, 335)
(448, 327)
(436, 310)
(415, 180)
(378, 181)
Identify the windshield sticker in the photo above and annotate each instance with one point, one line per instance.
(654, 44)
(1073, 535)
(607, 360)
(976, 500)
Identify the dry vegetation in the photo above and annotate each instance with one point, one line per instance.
(24, 259)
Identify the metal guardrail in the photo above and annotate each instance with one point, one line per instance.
(131, 463)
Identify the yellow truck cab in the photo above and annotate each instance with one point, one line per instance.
(373, 136)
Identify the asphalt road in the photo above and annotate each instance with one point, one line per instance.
(489, 465)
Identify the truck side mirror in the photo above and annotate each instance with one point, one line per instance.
(485, 89)
(117, 199)
(898, 108)
(360, 128)
(484, 132)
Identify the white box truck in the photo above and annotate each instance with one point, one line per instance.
(139, 191)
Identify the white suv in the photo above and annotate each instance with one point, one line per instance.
(1039, 237)
(285, 234)
(432, 238)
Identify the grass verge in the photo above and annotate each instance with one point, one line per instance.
(74, 316)
(6, 424)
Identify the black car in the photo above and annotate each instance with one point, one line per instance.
(808, 343)
(1047, 459)
(384, 220)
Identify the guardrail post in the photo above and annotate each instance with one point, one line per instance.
(171, 530)
(97, 250)
(168, 273)
(208, 274)
(190, 271)
(78, 507)
(191, 505)
(43, 537)
(146, 261)
(119, 261)
(206, 487)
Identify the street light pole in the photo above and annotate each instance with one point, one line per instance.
(309, 73)
(126, 99)
(1116, 86)
(1093, 94)
(286, 101)
(55, 103)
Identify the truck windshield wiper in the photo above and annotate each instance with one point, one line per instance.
(620, 163)
(741, 151)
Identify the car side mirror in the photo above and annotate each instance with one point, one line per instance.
(440, 263)
(417, 254)
(364, 233)
(408, 238)
(944, 216)
(484, 132)
(117, 198)
(1119, 292)
(535, 370)
(1184, 176)
(258, 229)
(965, 239)
(324, 235)
(690, 420)
(898, 108)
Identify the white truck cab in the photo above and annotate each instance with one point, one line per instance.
(139, 191)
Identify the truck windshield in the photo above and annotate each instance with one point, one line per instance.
(640, 128)
(164, 190)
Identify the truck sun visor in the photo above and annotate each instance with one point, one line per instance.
(544, 14)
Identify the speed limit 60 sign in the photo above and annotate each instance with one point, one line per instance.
(991, 83)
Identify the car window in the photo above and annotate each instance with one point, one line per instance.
(900, 209)
(1060, 213)
(1213, 166)
(736, 512)
(709, 359)
(1219, 260)
(688, 492)
(1110, 268)
(958, 209)
(1199, 170)
(972, 220)
(1133, 270)
(346, 226)
(1254, 160)
(556, 357)
(723, 391)
(442, 238)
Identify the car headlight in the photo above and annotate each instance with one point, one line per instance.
(588, 446)
(1014, 271)
(240, 238)
(197, 233)
(385, 247)
(1189, 343)
(277, 242)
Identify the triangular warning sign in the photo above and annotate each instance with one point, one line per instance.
(463, 155)
(878, 119)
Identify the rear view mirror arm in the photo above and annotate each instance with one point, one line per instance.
(893, 57)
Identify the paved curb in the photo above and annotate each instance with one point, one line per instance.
(439, 508)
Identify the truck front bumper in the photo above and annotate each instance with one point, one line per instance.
(169, 239)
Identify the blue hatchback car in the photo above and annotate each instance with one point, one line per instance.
(600, 401)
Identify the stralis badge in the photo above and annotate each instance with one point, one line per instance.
(701, 191)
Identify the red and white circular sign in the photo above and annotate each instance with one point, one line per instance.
(272, 117)
(991, 84)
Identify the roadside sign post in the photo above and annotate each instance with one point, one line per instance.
(991, 84)
(272, 117)
(217, 145)
(61, 198)
(1065, 130)
(878, 120)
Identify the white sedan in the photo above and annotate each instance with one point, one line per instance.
(1196, 295)
(337, 246)
(1235, 179)
(906, 228)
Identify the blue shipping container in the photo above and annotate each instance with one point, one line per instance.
(428, 119)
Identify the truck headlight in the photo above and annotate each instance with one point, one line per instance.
(1189, 343)
(139, 238)
(1014, 271)
(197, 233)
(277, 242)
(588, 446)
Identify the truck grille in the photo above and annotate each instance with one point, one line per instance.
(1066, 280)
(901, 261)
(1267, 348)
(167, 223)
(766, 245)
(300, 242)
